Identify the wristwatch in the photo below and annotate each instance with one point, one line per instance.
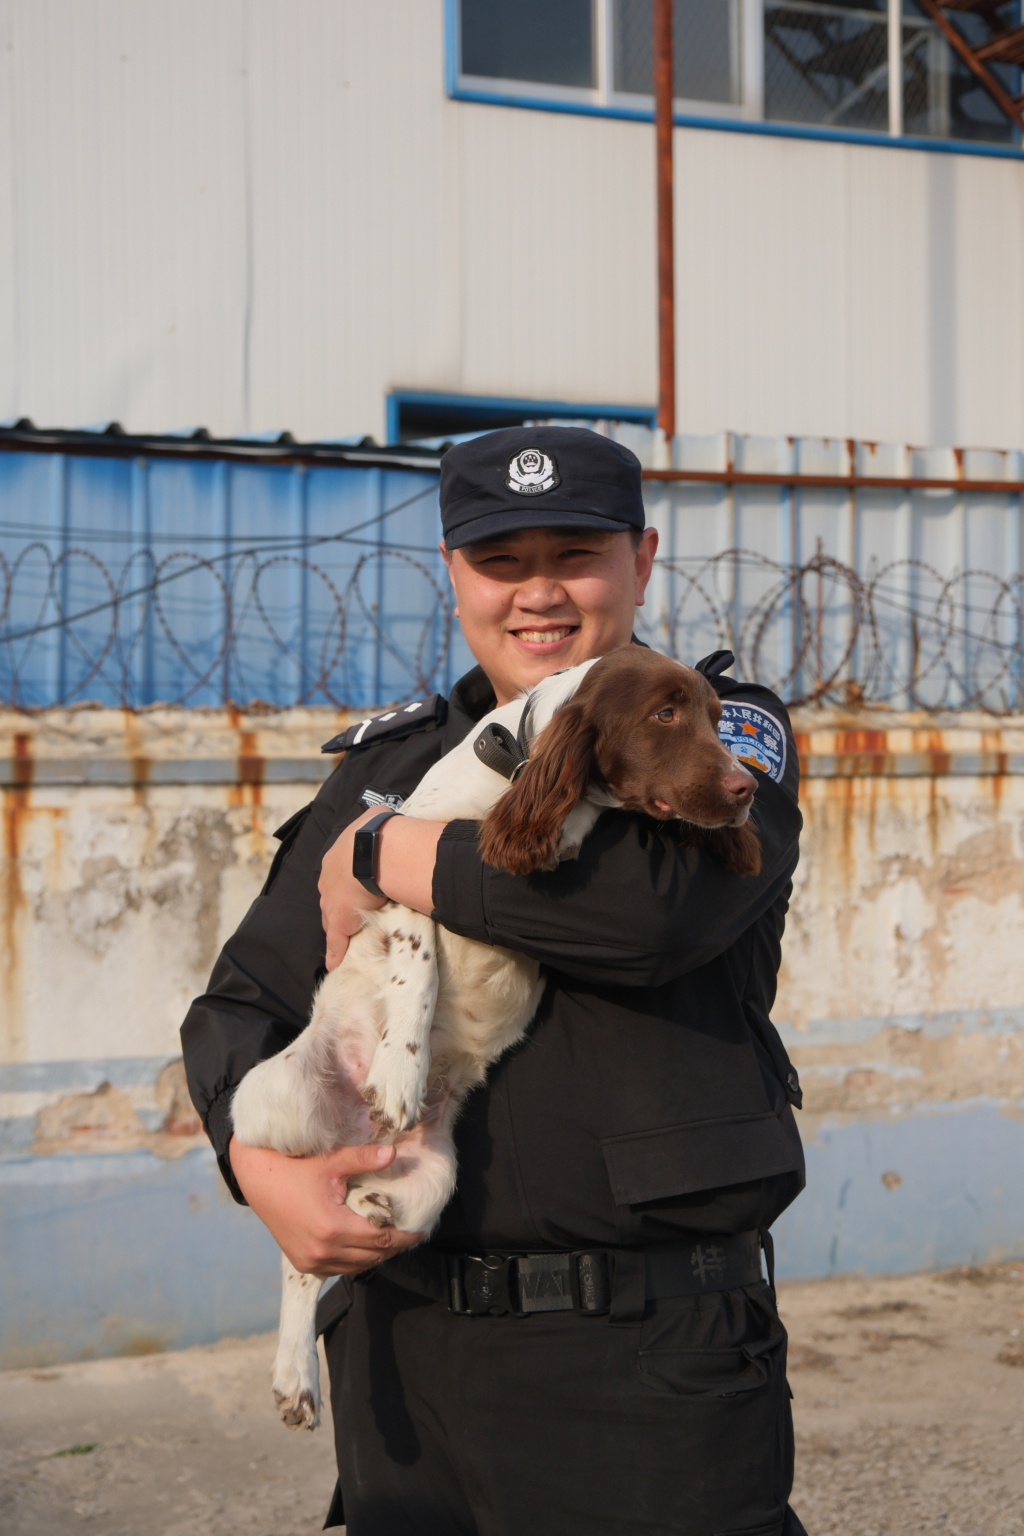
(366, 852)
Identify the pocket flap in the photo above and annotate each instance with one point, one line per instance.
(707, 1154)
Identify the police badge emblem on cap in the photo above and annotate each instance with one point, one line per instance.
(531, 472)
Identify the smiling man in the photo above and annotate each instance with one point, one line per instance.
(586, 1344)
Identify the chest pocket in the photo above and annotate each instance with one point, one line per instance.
(708, 1154)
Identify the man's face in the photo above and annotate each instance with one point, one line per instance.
(540, 600)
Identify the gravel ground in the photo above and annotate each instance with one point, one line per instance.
(909, 1409)
(909, 1402)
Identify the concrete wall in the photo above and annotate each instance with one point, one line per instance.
(132, 844)
(902, 992)
(255, 216)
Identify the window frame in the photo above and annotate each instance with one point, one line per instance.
(746, 116)
(568, 410)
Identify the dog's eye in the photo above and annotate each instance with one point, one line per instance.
(666, 714)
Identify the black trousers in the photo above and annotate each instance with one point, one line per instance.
(561, 1424)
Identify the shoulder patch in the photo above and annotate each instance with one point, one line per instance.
(371, 796)
(755, 737)
(392, 724)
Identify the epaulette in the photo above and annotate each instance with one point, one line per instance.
(392, 725)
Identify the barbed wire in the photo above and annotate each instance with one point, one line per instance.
(902, 634)
(275, 625)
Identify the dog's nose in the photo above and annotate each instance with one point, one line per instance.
(739, 784)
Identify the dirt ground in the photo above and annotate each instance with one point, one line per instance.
(909, 1404)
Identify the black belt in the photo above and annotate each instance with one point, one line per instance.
(519, 1284)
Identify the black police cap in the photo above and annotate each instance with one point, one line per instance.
(538, 477)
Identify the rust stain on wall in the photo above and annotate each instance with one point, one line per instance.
(250, 768)
(840, 825)
(16, 807)
(141, 763)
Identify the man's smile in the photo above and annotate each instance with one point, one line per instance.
(545, 639)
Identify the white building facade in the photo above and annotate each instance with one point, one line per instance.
(259, 215)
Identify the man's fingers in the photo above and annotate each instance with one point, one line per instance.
(390, 1237)
(353, 1159)
(336, 951)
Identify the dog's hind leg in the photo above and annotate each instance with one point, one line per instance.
(412, 1192)
(296, 1365)
(396, 1081)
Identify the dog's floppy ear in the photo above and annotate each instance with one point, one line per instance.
(521, 832)
(739, 848)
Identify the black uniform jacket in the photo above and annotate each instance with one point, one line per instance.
(651, 1092)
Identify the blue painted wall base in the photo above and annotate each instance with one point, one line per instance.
(959, 1199)
(125, 1253)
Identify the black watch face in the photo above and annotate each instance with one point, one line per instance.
(362, 854)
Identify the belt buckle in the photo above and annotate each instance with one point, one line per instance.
(485, 1283)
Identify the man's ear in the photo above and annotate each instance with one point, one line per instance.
(446, 556)
(521, 833)
(643, 564)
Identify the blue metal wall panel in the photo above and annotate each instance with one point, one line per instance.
(136, 581)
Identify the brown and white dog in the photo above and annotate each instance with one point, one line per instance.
(410, 1021)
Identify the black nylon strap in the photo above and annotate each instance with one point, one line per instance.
(365, 852)
(593, 1283)
(497, 748)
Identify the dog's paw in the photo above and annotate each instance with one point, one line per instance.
(298, 1406)
(374, 1203)
(386, 1117)
(394, 1087)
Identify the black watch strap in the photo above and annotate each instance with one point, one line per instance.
(366, 851)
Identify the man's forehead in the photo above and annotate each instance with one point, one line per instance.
(524, 539)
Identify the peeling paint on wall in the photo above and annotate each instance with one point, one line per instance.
(133, 844)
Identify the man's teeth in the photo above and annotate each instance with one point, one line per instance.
(542, 636)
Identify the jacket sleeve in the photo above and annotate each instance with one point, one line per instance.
(259, 995)
(635, 909)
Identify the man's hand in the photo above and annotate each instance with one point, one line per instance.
(408, 848)
(343, 900)
(302, 1201)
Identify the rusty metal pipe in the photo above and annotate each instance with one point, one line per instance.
(663, 101)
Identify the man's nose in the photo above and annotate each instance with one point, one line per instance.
(540, 593)
(739, 784)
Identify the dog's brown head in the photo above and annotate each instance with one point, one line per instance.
(646, 728)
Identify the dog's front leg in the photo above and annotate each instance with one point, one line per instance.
(296, 1365)
(396, 1080)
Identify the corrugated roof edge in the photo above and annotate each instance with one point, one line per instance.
(113, 442)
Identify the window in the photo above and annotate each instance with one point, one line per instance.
(829, 64)
(814, 63)
(942, 99)
(550, 42)
(705, 45)
(426, 416)
(599, 52)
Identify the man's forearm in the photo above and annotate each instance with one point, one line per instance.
(408, 851)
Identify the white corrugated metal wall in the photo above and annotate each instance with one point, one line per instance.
(254, 215)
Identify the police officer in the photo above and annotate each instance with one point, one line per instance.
(586, 1344)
